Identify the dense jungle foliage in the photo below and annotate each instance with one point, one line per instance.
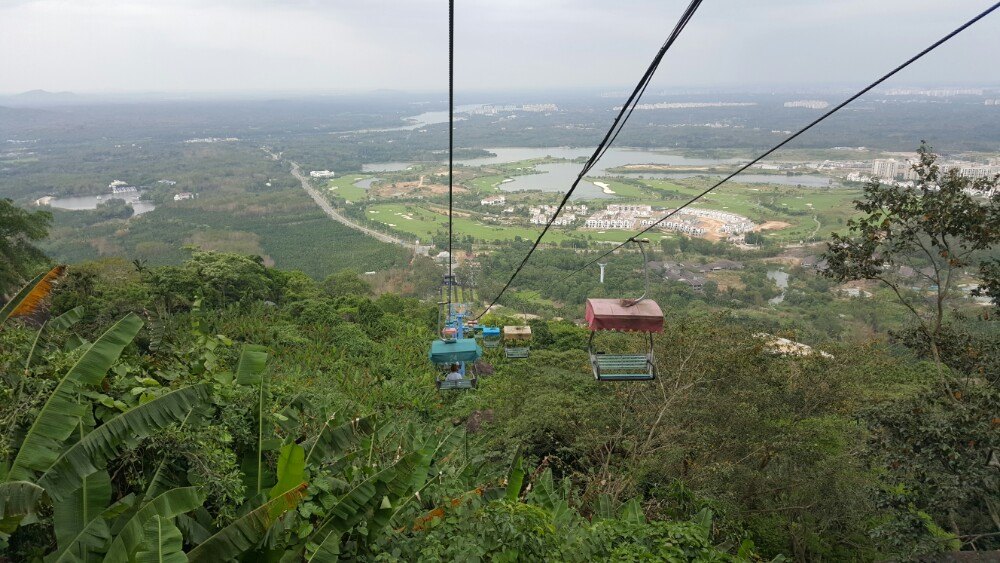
(222, 409)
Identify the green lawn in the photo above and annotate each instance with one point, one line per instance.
(831, 207)
(485, 183)
(423, 223)
(623, 190)
(344, 187)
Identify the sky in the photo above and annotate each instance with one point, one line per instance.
(331, 46)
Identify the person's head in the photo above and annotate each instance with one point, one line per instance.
(454, 367)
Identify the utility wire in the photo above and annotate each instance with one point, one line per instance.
(840, 106)
(619, 122)
(451, 142)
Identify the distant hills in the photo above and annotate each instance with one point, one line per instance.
(40, 98)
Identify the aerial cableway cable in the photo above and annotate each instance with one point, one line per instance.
(837, 108)
(619, 122)
(451, 142)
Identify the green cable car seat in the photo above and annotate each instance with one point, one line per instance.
(517, 341)
(642, 316)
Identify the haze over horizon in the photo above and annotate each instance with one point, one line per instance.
(306, 46)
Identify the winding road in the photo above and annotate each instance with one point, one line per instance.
(332, 213)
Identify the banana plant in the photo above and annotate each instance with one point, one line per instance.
(246, 532)
(63, 412)
(31, 296)
(250, 372)
(48, 466)
(42, 342)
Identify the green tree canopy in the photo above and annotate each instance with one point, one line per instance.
(18, 230)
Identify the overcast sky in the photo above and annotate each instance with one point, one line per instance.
(356, 45)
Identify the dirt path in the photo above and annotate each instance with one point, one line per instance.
(332, 213)
(818, 227)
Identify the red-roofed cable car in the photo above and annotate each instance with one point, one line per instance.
(640, 315)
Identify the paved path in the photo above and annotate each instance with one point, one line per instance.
(324, 204)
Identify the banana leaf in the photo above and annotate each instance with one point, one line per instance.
(92, 453)
(333, 441)
(162, 543)
(167, 505)
(391, 483)
(62, 412)
(247, 531)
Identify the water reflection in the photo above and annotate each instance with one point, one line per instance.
(77, 203)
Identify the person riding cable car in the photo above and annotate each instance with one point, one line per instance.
(452, 352)
(517, 341)
(641, 315)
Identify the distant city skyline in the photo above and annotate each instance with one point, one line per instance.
(304, 46)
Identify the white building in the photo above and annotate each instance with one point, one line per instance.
(494, 200)
(623, 208)
(976, 172)
(610, 223)
(885, 168)
(322, 174)
(564, 220)
(810, 104)
(183, 195)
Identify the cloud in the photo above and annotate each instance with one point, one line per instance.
(192, 45)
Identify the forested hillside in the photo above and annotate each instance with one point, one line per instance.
(225, 409)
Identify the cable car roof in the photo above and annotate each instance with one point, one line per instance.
(513, 332)
(612, 314)
(491, 331)
(461, 350)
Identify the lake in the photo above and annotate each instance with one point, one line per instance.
(555, 177)
(558, 177)
(77, 203)
(611, 159)
(366, 183)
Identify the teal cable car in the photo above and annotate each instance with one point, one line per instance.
(449, 353)
(453, 350)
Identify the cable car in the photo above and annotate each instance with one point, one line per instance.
(517, 341)
(447, 353)
(453, 350)
(491, 337)
(640, 315)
